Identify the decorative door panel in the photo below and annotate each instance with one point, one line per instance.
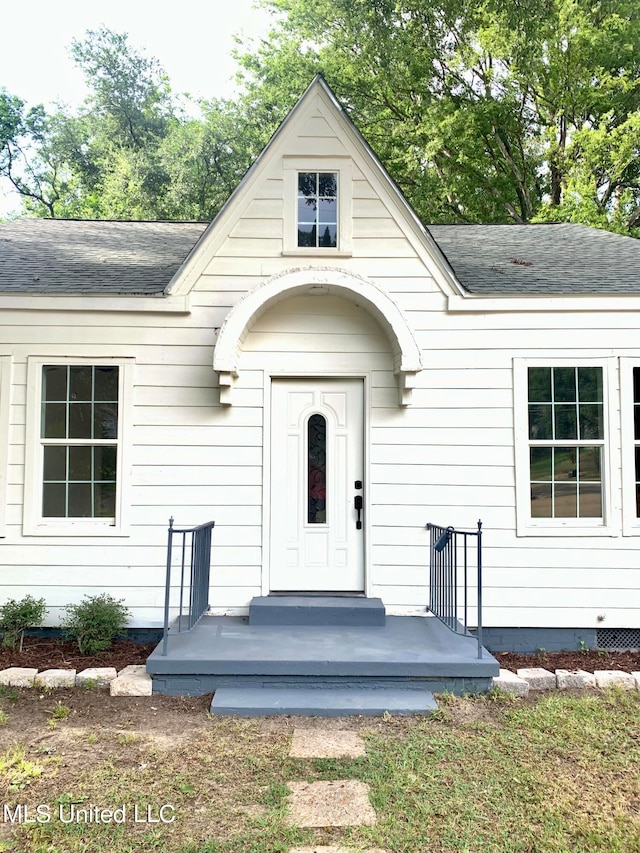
(317, 428)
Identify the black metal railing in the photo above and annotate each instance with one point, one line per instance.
(453, 556)
(194, 546)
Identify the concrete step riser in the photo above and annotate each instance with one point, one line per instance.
(250, 702)
(317, 610)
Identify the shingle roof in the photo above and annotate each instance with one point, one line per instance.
(558, 258)
(74, 256)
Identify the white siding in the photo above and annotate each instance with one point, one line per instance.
(448, 458)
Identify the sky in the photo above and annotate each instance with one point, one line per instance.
(192, 39)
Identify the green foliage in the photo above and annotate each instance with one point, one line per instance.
(17, 616)
(483, 111)
(95, 622)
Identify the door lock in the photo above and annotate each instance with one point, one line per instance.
(358, 506)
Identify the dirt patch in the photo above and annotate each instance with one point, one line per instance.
(589, 660)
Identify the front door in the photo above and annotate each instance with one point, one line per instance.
(317, 462)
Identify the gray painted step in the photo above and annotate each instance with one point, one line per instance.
(316, 610)
(313, 701)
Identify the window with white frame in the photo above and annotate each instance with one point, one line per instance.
(630, 437)
(563, 458)
(73, 478)
(318, 206)
(566, 440)
(79, 434)
(318, 209)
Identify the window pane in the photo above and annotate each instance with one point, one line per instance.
(80, 420)
(564, 463)
(317, 469)
(55, 463)
(540, 422)
(541, 500)
(327, 210)
(80, 503)
(80, 463)
(638, 463)
(636, 384)
(105, 463)
(328, 184)
(590, 500)
(636, 422)
(306, 235)
(105, 424)
(590, 384)
(539, 384)
(566, 500)
(80, 383)
(307, 208)
(105, 500)
(106, 383)
(307, 183)
(590, 463)
(566, 422)
(54, 500)
(54, 420)
(591, 421)
(564, 384)
(328, 236)
(54, 383)
(540, 463)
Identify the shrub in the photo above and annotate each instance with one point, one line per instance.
(17, 616)
(95, 622)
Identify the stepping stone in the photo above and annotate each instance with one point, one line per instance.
(574, 679)
(52, 678)
(614, 678)
(18, 676)
(132, 681)
(636, 676)
(510, 683)
(326, 743)
(100, 676)
(342, 803)
(538, 678)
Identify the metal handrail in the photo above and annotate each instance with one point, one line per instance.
(448, 591)
(194, 593)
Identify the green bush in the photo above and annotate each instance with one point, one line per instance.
(17, 616)
(95, 622)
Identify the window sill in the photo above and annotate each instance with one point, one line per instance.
(568, 529)
(316, 252)
(65, 528)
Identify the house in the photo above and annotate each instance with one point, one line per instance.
(450, 373)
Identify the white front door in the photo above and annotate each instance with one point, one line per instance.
(317, 470)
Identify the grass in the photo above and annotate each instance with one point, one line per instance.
(554, 775)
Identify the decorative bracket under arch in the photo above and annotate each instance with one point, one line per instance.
(406, 354)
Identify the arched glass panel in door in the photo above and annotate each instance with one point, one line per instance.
(317, 469)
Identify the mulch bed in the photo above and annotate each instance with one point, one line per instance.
(55, 653)
(589, 660)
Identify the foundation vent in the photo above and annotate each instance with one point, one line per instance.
(618, 639)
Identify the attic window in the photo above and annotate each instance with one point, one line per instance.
(318, 210)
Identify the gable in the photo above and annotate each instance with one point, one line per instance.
(379, 235)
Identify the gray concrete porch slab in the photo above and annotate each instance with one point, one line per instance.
(228, 651)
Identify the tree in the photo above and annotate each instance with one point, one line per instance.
(482, 110)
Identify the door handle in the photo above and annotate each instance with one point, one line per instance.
(358, 506)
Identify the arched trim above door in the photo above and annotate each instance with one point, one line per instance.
(317, 281)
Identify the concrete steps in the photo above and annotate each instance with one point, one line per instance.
(317, 610)
(314, 701)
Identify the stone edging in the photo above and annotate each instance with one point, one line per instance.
(130, 681)
(537, 678)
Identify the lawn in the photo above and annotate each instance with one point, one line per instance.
(487, 774)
